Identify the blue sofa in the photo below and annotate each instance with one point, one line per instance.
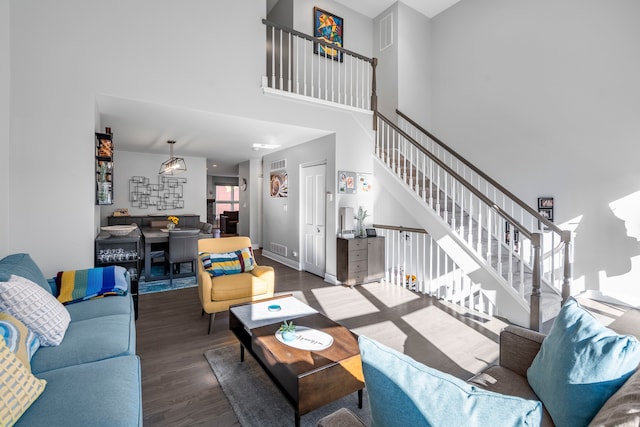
(93, 376)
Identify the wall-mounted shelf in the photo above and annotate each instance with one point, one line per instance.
(104, 168)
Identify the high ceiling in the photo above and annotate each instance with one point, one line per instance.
(373, 8)
(224, 140)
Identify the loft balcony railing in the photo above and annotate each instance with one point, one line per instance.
(523, 248)
(296, 66)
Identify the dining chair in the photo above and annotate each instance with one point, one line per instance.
(183, 248)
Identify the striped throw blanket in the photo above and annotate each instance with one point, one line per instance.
(80, 285)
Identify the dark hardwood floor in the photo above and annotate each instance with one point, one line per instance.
(179, 388)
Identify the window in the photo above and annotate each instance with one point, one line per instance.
(227, 198)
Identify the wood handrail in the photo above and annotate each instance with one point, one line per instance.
(401, 228)
(458, 177)
(316, 40)
(484, 176)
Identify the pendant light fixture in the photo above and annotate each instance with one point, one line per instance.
(173, 166)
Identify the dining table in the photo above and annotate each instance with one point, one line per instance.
(159, 236)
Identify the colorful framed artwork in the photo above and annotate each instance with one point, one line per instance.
(279, 184)
(329, 28)
(364, 183)
(346, 182)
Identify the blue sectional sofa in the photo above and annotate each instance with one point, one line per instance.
(93, 376)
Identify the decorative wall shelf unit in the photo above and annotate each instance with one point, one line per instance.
(104, 168)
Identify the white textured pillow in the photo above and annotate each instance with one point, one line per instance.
(36, 308)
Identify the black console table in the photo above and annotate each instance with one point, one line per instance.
(186, 220)
(125, 251)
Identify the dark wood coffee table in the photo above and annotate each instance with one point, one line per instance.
(308, 379)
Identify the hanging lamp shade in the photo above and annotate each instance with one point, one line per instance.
(173, 166)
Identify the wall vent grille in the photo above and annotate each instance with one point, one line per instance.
(278, 249)
(386, 32)
(279, 164)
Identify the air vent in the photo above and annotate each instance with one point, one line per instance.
(386, 31)
(279, 164)
(279, 249)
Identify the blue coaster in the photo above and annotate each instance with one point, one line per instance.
(274, 308)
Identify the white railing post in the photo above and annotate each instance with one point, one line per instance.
(568, 265)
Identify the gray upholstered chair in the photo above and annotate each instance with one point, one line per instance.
(206, 228)
(183, 248)
(229, 222)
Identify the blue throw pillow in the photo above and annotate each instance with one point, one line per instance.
(580, 365)
(23, 265)
(403, 392)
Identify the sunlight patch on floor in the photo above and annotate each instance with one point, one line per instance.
(339, 302)
(386, 333)
(391, 295)
(465, 346)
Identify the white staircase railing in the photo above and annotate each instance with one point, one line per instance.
(414, 260)
(526, 251)
(509, 236)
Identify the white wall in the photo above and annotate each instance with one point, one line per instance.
(140, 53)
(281, 215)
(544, 96)
(254, 201)
(282, 13)
(244, 214)
(414, 64)
(5, 94)
(128, 164)
(387, 69)
(53, 116)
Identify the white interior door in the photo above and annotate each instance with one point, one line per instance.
(313, 219)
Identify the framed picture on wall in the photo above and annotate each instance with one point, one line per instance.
(545, 207)
(346, 182)
(364, 183)
(329, 28)
(279, 184)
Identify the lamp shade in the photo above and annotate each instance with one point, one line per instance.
(173, 166)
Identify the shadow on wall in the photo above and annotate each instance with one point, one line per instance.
(607, 252)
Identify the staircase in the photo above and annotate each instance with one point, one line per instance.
(520, 259)
(515, 263)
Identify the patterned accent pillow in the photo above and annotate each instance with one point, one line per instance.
(36, 308)
(18, 387)
(218, 264)
(18, 338)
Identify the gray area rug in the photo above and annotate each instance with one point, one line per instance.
(258, 402)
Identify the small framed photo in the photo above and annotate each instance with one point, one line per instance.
(545, 202)
(545, 207)
(546, 213)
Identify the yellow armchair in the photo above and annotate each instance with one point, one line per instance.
(218, 293)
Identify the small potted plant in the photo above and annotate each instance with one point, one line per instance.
(288, 331)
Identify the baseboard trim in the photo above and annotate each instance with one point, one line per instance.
(600, 296)
(330, 278)
(282, 260)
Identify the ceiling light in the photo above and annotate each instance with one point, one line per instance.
(266, 146)
(173, 166)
